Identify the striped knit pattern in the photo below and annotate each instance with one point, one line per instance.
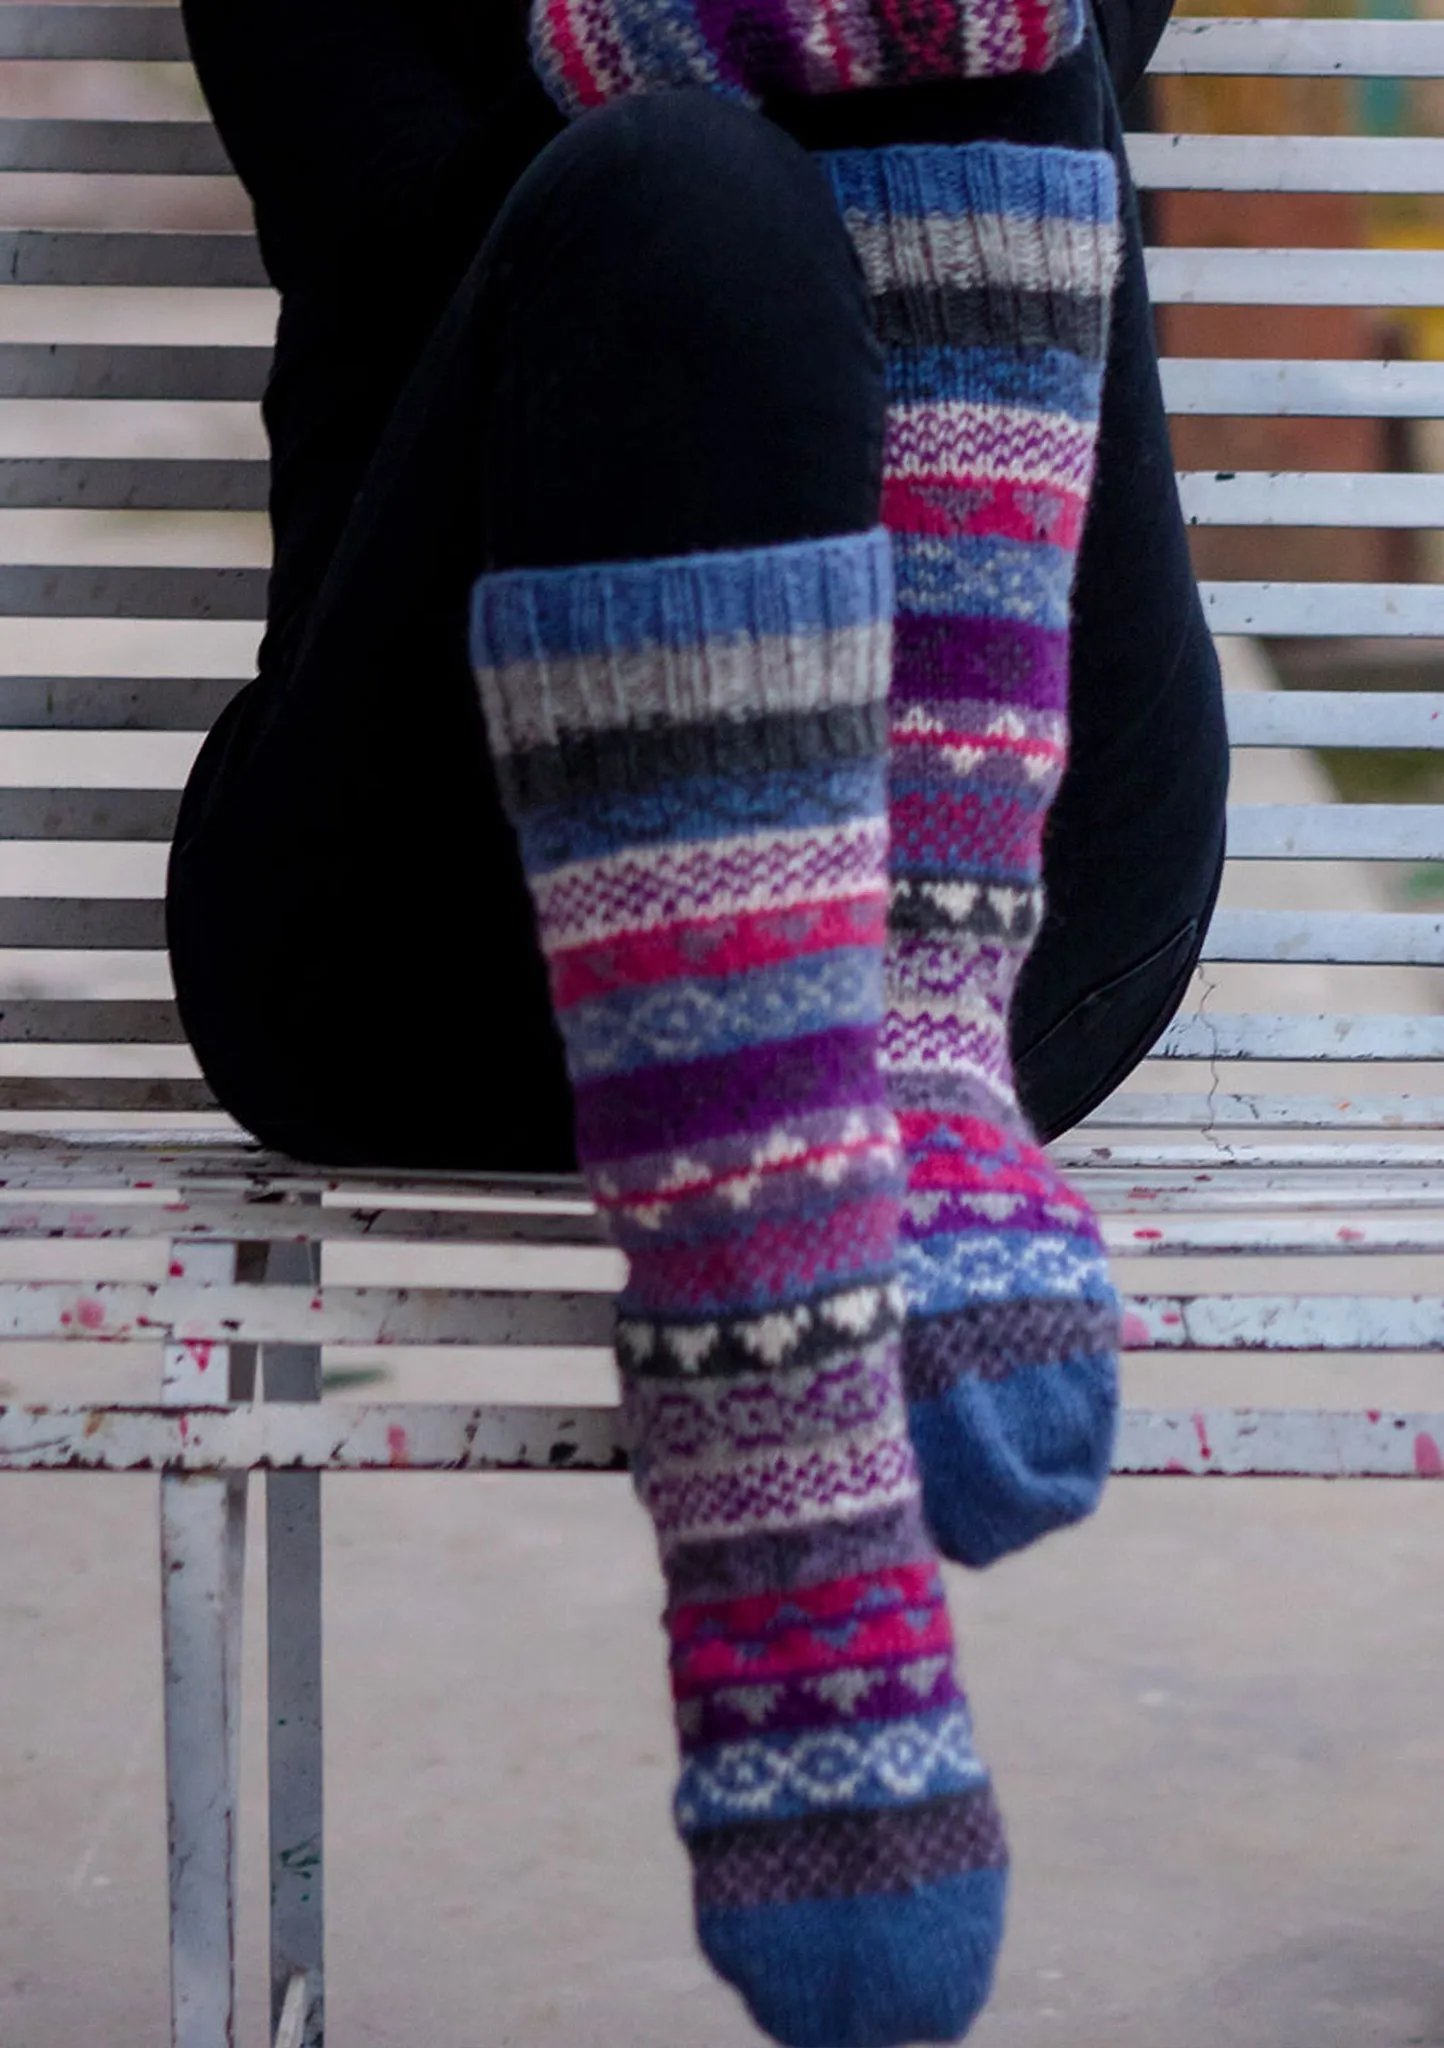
(588, 52)
(990, 269)
(693, 755)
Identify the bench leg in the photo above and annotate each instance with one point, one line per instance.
(293, 1600)
(202, 1543)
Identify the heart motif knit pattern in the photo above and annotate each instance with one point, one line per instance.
(990, 269)
(587, 52)
(693, 755)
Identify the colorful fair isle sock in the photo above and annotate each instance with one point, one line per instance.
(693, 754)
(589, 52)
(991, 270)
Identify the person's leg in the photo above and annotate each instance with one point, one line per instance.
(691, 740)
(353, 947)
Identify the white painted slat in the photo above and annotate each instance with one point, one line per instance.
(107, 256)
(1327, 718)
(113, 148)
(1343, 938)
(220, 1160)
(126, 1311)
(1224, 1035)
(1278, 1164)
(1223, 45)
(1272, 1236)
(1336, 831)
(1140, 1111)
(367, 1436)
(1217, 1191)
(1282, 1443)
(1287, 163)
(141, 35)
(441, 1436)
(220, 1221)
(1290, 389)
(65, 369)
(1325, 610)
(1296, 277)
(201, 1316)
(1283, 1322)
(1305, 498)
(215, 1219)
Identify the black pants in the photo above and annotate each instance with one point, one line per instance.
(661, 346)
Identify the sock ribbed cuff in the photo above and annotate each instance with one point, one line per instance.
(992, 245)
(688, 642)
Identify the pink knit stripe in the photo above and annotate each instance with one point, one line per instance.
(803, 1651)
(716, 947)
(986, 506)
(775, 1616)
(582, 86)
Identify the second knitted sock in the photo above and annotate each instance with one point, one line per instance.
(991, 269)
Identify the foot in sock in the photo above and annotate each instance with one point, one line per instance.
(991, 269)
(693, 754)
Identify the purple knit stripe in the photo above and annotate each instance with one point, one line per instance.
(893, 1693)
(850, 1854)
(755, 44)
(759, 1088)
(1004, 660)
(954, 1211)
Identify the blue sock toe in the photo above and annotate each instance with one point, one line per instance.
(1004, 1461)
(874, 1972)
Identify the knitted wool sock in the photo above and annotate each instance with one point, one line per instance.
(991, 268)
(693, 754)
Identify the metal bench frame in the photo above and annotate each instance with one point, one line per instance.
(242, 1313)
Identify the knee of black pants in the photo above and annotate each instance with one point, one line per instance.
(685, 356)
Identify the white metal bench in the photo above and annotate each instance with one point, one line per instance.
(238, 1301)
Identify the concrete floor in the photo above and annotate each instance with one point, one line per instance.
(1214, 1717)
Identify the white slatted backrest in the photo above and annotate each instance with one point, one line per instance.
(83, 970)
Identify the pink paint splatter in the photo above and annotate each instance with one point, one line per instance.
(1200, 1430)
(1348, 1236)
(397, 1449)
(1374, 1414)
(1427, 1461)
(177, 1270)
(90, 1314)
(1148, 1233)
(200, 1349)
(1136, 1334)
(1176, 1465)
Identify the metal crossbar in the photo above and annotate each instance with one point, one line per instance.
(1337, 1152)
